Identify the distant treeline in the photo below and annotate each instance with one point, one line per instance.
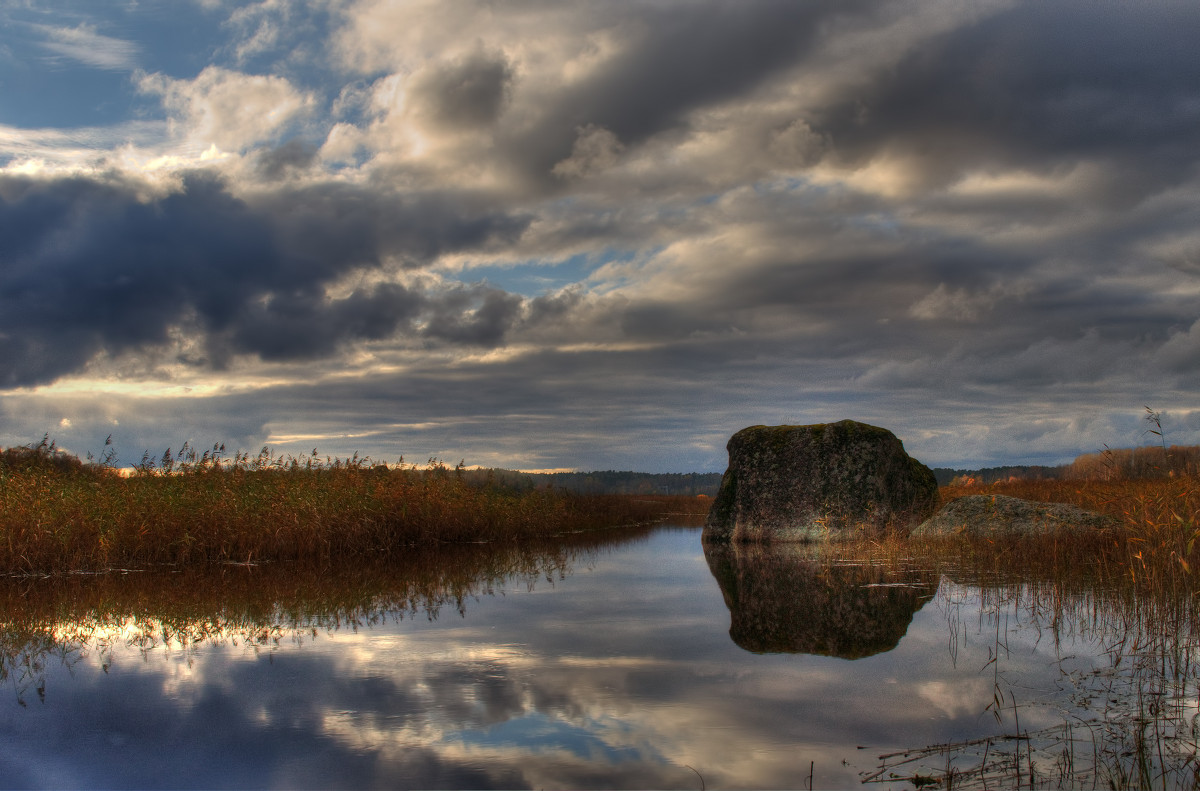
(601, 482)
(1108, 465)
(1023, 472)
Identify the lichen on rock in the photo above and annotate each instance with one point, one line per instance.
(808, 483)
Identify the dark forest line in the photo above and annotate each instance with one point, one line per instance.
(602, 481)
(1151, 461)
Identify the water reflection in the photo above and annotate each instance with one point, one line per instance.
(1113, 702)
(787, 598)
(67, 617)
(584, 665)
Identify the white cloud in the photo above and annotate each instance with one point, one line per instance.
(343, 144)
(84, 44)
(384, 36)
(228, 109)
(88, 147)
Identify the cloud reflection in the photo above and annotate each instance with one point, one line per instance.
(617, 672)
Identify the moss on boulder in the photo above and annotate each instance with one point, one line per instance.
(808, 483)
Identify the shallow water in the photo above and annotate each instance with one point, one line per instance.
(641, 664)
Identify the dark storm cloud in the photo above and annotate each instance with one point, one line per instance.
(467, 93)
(694, 55)
(294, 155)
(1033, 85)
(478, 316)
(551, 307)
(86, 266)
(307, 325)
(679, 57)
(331, 226)
(230, 743)
(297, 325)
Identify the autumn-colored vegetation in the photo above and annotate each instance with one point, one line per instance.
(1130, 722)
(59, 514)
(1136, 463)
(1160, 517)
(1152, 559)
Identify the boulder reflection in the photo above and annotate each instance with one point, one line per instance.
(786, 598)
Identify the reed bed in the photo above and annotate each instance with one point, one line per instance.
(1155, 546)
(58, 514)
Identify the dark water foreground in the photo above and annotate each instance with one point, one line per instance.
(632, 660)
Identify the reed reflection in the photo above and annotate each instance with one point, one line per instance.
(1112, 701)
(787, 598)
(65, 618)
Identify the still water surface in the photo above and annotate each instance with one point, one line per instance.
(639, 664)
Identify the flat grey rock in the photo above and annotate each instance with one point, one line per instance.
(998, 514)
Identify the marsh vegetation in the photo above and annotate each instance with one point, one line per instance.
(59, 514)
(1156, 546)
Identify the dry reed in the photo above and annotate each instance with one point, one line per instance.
(58, 514)
(1155, 547)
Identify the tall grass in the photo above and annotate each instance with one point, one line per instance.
(58, 514)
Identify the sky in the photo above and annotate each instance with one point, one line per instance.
(598, 235)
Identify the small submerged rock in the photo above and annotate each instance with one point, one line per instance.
(811, 483)
(993, 515)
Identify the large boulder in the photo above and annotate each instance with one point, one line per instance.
(809, 483)
(992, 515)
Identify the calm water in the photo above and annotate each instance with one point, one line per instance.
(644, 664)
